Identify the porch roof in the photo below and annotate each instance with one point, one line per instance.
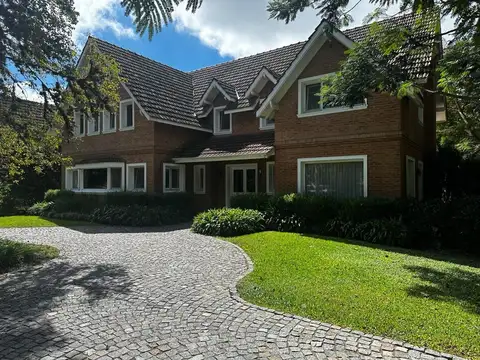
(230, 148)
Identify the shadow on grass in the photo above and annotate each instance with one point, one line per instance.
(458, 258)
(29, 299)
(94, 228)
(453, 285)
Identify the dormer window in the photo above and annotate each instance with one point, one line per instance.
(222, 123)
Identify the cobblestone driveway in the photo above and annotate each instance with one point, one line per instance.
(161, 295)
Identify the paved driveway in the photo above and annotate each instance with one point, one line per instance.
(161, 295)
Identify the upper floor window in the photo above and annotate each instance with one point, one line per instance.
(109, 121)
(79, 119)
(266, 124)
(222, 123)
(311, 103)
(127, 115)
(94, 124)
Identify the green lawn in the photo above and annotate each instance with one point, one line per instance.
(35, 221)
(14, 254)
(407, 296)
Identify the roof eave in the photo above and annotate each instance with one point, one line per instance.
(186, 160)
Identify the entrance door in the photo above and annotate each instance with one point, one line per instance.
(241, 179)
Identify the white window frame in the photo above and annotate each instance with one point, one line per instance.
(414, 176)
(91, 124)
(82, 167)
(106, 121)
(216, 121)
(130, 176)
(181, 180)
(268, 189)
(76, 117)
(331, 159)
(264, 125)
(122, 114)
(196, 173)
(302, 99)
(420, 113)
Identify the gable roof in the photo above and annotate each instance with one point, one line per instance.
(173, 96)
(23, 109)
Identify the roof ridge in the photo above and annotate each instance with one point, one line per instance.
(137, 54)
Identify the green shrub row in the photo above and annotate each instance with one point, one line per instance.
(228, 222)
(452, 224)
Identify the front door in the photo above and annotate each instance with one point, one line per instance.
(241, 179)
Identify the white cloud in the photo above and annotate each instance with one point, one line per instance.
(99, 15)
(242, 27)
(24, 90)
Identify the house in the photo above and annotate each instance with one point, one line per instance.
(253, 125)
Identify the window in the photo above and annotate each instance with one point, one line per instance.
(137, 177)
(420, 115)
(410, 177)
(266, 124)
(94, 124)
(270, 177)
(310, 102)
(222, 122)
(109, 121)
(173, 178)
(338, 177)
(100, 177)
(127, 115)
(79, 119)
(199, 179)
(420, 179)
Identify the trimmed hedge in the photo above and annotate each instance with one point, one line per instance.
(453, 224)
(228, 222)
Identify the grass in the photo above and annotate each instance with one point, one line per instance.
(35, 221)
(384, 291)
(14, 254)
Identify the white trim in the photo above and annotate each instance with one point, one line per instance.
(223, 158)
(407, 159)
(262, 75)
(229, 178)
(263, 124)
(267, 188)
(250, 108)
(214, 85)
(332, 159)
(129, 180)
(216, 121)
(195, 190)
(315, 42)
(123, 104)
(181, 178)
(85, 125)
(109, 130)
(142, 110)
(103, 165)
(90, 125)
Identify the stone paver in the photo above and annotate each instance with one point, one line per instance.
(157, 295)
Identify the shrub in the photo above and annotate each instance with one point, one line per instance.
(228, 222)
(258, 201)
(14, 254)
(40, 208)
(54, 194)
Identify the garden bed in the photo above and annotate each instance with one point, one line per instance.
(14, 254)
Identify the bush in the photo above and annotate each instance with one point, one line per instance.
(228, 222)
(258, 201)
(40, 208)
(14, 254)
(54, 194)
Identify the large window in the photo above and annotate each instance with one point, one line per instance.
(137, 177)
(127, 115)
(311, 103)
(222, 123)
(173, 178)
(410, 174)
(270, 177)
(199, 179)
(337, 177)
(100, 177)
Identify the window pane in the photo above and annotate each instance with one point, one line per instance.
(269, 122)
(251, 180)
(96, 122)
(271, 177)
(224, 121)
(75, 179)
(116, 178)
(202, 179)
(338, 180)
(410, 177)
(95, 178)
(175, 178)
(167, 178)
(237, 181)
(199, 179)
(112, 120)
(139, 178)
(129, 119)
(82, 124)
(313, 100)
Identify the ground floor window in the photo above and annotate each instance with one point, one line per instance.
(270, 177)
(420, 179)
(338, 177)
(137, 177)
(100, 177)
(173, 178)
(410, 174)
(199, 179)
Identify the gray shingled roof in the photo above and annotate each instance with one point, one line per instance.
(23, 109)
(172, 95)
(235, 145)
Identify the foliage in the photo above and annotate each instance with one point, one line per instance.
(406, 295)
(40, 208)
(258, 201)
(55, 194)
(228, 222)
(14, 254)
